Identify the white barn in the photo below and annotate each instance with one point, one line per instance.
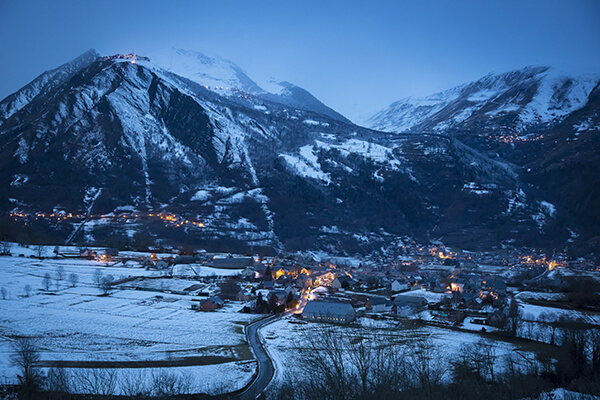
(322, 311)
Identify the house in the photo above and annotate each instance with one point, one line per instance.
(194, 289)
(147, 262)
(494, 285)
(244, 295)
(109, 254)
(184, 260)
(281, 296)
(87, 253)
(457, 286)
(397, 286)
(405, 306)
(341, 282)
(321, 311)
(268, 285)
(210, 304)
(209, 290)
(231, 262)
(290, 289)
(433, 282)
(161, 264)
(378, 304)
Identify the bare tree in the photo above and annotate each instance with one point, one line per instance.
(135, 384)
(60, 273)
(27, 290)
(169, 384)
(46, 281)
(5, 248)
(102, 381)
(595, 351)
(361, 354)
(427, 370)
(4, 293)
(25, 357)
(106, 284)
(326, 361)
(39, 251)
(286, 388)
(58, 380)
(73, 279)
(98, 277)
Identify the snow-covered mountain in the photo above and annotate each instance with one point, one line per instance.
(228, 79)
(211, 71)
(517, 102)
(256, 171)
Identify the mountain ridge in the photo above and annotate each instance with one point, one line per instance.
(254, 172)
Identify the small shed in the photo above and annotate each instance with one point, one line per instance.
(210, 304)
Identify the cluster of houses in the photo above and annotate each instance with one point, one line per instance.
(449, 286)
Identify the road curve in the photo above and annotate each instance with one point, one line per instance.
(264, 364)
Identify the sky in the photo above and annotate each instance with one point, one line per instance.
(355, 56)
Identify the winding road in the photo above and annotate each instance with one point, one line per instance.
(266, 370)
(265, 366)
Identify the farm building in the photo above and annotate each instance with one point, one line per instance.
(321, 311)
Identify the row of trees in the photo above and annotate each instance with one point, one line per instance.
(104, 282)
(342, 364)
(59, 276)
(60, 382)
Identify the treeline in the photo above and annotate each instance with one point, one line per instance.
(96, 383)
(372, 364)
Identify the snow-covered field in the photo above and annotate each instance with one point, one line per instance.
(532, 312)
(78, 324)
(526, 295)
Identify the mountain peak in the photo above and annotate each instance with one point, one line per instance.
(214, 72)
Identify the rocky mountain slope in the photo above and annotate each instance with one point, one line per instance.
(120, 142)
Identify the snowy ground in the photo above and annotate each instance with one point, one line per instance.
(78, 324)
(286, 342)
(431, 297)
(526, 295)
(532, 312)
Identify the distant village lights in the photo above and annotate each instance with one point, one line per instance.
(169, 218)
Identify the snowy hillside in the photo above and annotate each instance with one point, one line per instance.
(515, 101)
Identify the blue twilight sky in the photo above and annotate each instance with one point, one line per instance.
(355, 56)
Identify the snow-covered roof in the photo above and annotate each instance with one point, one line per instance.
(324, 307)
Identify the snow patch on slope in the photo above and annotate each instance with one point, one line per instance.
(307, 164)
(557, 96)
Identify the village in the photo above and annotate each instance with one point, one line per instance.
(191, 310)
(433, 284)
